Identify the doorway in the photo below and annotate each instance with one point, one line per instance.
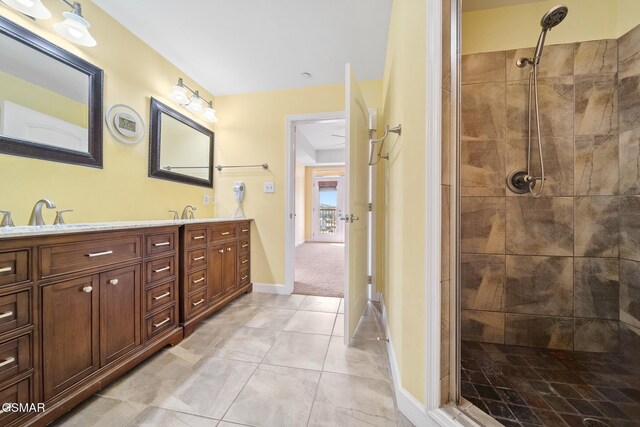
(328, 208)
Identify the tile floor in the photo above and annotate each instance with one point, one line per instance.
(523, 386)
(266, 360)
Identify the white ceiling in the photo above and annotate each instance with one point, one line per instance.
(241, 46)
(469, 5)
(316, 143)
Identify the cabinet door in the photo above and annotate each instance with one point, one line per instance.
(230, 266)
(70, 316)
(216, 265)
(119, 312)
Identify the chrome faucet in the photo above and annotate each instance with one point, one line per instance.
(6, 219)
(36, 214)
(187, 212)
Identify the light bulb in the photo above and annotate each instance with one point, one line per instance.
(195, 105)
(33, 8)
(179, 94)
(76, 29)
(210, 115)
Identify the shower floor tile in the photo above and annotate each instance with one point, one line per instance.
(523, 386)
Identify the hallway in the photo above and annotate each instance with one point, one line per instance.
(319, 269)
(265, 360)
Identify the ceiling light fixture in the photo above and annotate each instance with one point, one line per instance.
(305, 75)
(74, 27)
(32, 8)
(194, 103)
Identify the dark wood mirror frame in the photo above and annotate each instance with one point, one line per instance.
(155, 171)
(18, 147)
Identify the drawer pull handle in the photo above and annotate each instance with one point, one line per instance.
(198, 237)
(221, 251)
(197, 303)
(95, 254)
(6, 314)
(244, 230)
(87, 289)
(160, 270)
(246, 245)
(245, 261)
(228, 249)
(199, 280)
(7, 361)
(166, 294)
(5, 269)
(157, 325)
(244, 277)
(162, 244)
(226, 233)
(200, 258)
(114, 281)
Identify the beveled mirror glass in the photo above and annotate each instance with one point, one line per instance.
(50, 100)
(180, 149)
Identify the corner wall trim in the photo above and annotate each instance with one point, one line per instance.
(271, 288)
(407, 404)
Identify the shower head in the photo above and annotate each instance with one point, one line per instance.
(550, 19)
(553, 17)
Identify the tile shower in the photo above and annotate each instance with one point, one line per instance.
(554, 279)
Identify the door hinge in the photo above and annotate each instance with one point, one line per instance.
(370, 280)
(370, 207)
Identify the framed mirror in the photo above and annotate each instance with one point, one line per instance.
(180, 149)
(50, 100)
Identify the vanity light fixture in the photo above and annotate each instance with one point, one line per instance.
(194, 103)
(74, 27)
(32, 8)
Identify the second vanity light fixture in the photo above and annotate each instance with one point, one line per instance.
(74, 27)
(192, 101)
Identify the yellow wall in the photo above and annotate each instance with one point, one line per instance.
(252, 130)
(121, 191)
(27, 94)
(404, 202)
(310, 173)
(518, 26)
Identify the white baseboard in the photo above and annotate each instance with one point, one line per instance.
(268, 288)
(300, 243)
(410, 407)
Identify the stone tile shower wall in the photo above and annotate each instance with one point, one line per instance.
(562, 270)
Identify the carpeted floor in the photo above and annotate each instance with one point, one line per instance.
(320, 269)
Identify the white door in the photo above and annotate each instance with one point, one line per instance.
(328, 208)
(357, 204)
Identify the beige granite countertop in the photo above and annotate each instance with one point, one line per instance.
(44, 230)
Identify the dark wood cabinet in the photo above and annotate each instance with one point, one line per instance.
(70, 330)
(216, 253)
(78, 310)
(120, 308)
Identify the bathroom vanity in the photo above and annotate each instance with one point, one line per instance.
(82, 305)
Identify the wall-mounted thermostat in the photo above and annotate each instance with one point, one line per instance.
(125, 124)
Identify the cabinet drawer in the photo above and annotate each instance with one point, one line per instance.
(244, 261)
(160, 269)
(197, 280)
(196, 259)
(222, 232)
(196, 237)
(196, 303)
(14, 267)
(161, 322)
(15, 357)
(84, 255)
(245, 277)
(19, 392)
(15, 311)
(244, 246)
(160, 295)
(160, 243)
(244, 229)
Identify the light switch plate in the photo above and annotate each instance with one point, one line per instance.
(207, 199)
(269, 187)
